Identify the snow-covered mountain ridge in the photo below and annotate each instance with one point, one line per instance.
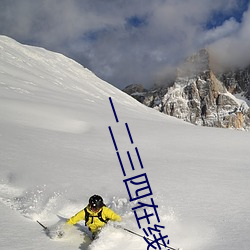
(201, 95)
(56, 151)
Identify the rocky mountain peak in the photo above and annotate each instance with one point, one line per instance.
(200, 96)
(196, 64)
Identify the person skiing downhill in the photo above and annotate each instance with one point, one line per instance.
(95, 214)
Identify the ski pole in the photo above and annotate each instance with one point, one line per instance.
(148, 238)
(45, 228)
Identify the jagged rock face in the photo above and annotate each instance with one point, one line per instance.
(137, 91)
(199, 97)
(237, 81)
(204, 102)
(134, 88)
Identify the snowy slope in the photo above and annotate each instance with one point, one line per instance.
(56, 151)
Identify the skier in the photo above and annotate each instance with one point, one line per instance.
(95, 214)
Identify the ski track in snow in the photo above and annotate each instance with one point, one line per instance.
(39, 204)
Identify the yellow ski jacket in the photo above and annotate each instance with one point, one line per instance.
(94, 223)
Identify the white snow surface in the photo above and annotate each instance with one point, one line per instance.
(56, 151)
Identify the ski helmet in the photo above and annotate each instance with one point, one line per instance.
(95, 202)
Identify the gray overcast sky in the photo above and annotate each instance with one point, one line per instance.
(131, 41)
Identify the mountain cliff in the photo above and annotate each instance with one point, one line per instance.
(202, 96)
